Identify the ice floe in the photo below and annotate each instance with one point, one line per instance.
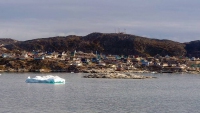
(45, 79)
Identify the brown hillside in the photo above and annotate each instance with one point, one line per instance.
(112, 43)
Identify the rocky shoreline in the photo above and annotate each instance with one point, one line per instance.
(117, 76)
(49, 65)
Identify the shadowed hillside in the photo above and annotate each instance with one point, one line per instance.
(130, 44)
(112, 43)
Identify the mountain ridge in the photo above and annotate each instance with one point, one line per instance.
(110, 43)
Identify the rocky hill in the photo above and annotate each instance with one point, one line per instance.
(107, 43)
(193, 48)
(47, 44)
(6, 41)
(130, 44)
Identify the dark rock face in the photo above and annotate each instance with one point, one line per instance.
(110, 43)
(193, 48)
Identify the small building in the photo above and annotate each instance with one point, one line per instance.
(76, 63)
(4, 55)
(145, 62)
(95, 60)
(85, 60)
(101, 63)
(39, 58)
(23, 56)
(119, 67)
(164, 64)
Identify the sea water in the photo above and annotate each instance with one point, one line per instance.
(169, 93)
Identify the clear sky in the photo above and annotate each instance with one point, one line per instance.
(177, 20)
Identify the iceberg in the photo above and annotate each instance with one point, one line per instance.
(45, 79)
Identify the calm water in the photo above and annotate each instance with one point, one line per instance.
(169, 93)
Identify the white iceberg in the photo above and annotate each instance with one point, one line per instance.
(45, 79)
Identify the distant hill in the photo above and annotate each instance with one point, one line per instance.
(130, 44)
(47, 44)
(6, 41)
(193, 48)
(107, 43)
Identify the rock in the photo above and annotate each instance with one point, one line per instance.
(116, 75)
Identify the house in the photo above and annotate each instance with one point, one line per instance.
(119, 67)
(135, 61)
(145, 62)
(64, 53)
(101, 63)
(4, 55)
(54, 55)
(77, 62)
(73, 54)
(63, 58)
(95, 60)
(110, 59)
(39, 58)
(30, 54)
(164, 64)
(23, 56)
(85, 60)
(48, 55)
(193, 59)
(129, 66)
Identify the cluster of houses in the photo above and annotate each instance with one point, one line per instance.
(119, 63)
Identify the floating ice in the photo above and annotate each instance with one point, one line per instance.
(45, 79)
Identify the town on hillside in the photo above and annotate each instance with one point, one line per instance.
(94, 62)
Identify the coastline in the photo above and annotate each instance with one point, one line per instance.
(92, 71)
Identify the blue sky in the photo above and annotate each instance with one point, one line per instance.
(176, 20)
